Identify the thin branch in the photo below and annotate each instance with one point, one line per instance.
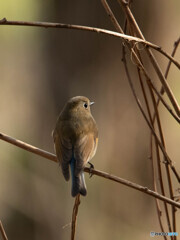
(4, 21)
(176, 44)
(166, 164)
(140, 65)
(160, 98)
(52, 157)
(152, 129)
(28, 147)
(135, 95)
(157, 154)
(154, 62)
(112, 17)
(3, 231)
(133, 185)
(159, 212)
(74, 216)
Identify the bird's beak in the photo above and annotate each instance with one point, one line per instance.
(91, 103)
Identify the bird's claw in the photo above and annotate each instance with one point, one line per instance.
(90, 169)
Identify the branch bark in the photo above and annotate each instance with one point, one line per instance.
(125, 182)
(4, 21)
(74, 216)
(149, 81)
(153, 60)
(3, 231)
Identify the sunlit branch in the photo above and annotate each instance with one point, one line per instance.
(111, 177)
(4, 21)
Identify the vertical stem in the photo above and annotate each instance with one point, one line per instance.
(154, 62)
(3, 231)
(159, 212)
(74, 216)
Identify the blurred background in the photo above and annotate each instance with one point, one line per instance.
(42, 68)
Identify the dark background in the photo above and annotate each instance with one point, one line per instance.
(39, 70)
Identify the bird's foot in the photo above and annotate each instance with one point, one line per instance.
(90, 169)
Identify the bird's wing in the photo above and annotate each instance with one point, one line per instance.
(84, 150)
(63, 148)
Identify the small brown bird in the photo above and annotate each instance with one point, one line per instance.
(75, 139)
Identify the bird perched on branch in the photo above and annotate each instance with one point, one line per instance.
(75, 139)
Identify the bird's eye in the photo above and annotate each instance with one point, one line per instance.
(85, 105)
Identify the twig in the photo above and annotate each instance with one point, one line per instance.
(4, 21)
(135, 95)
(154, 62)
(133, 185)
(74, 216)
(28, 147)
(176, 44)
(166, 165)
(111, 15)
(3, 231)
(158, 157)
(160, 98)
(152, 129)
(52, 157)
(157, 154)
(140, 65)
(159, 212)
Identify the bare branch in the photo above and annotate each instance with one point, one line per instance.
(4, 21)
(119, 29)
(176, 44)
(158, 157)
(159, 211)
(136, 98)
(3, 231)
(74, 216)
(52, 157)
(133, 185)
(160, 98)
(28, 147)
(154, 62)
(140, 65)
(166, 165)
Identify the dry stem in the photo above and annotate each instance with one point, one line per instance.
(3, 231)
(52, 157)
(74, 216)
(4, 21)
(153, 60)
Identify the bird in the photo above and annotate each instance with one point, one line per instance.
(75, 141)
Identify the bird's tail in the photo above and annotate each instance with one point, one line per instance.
(78, 182)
